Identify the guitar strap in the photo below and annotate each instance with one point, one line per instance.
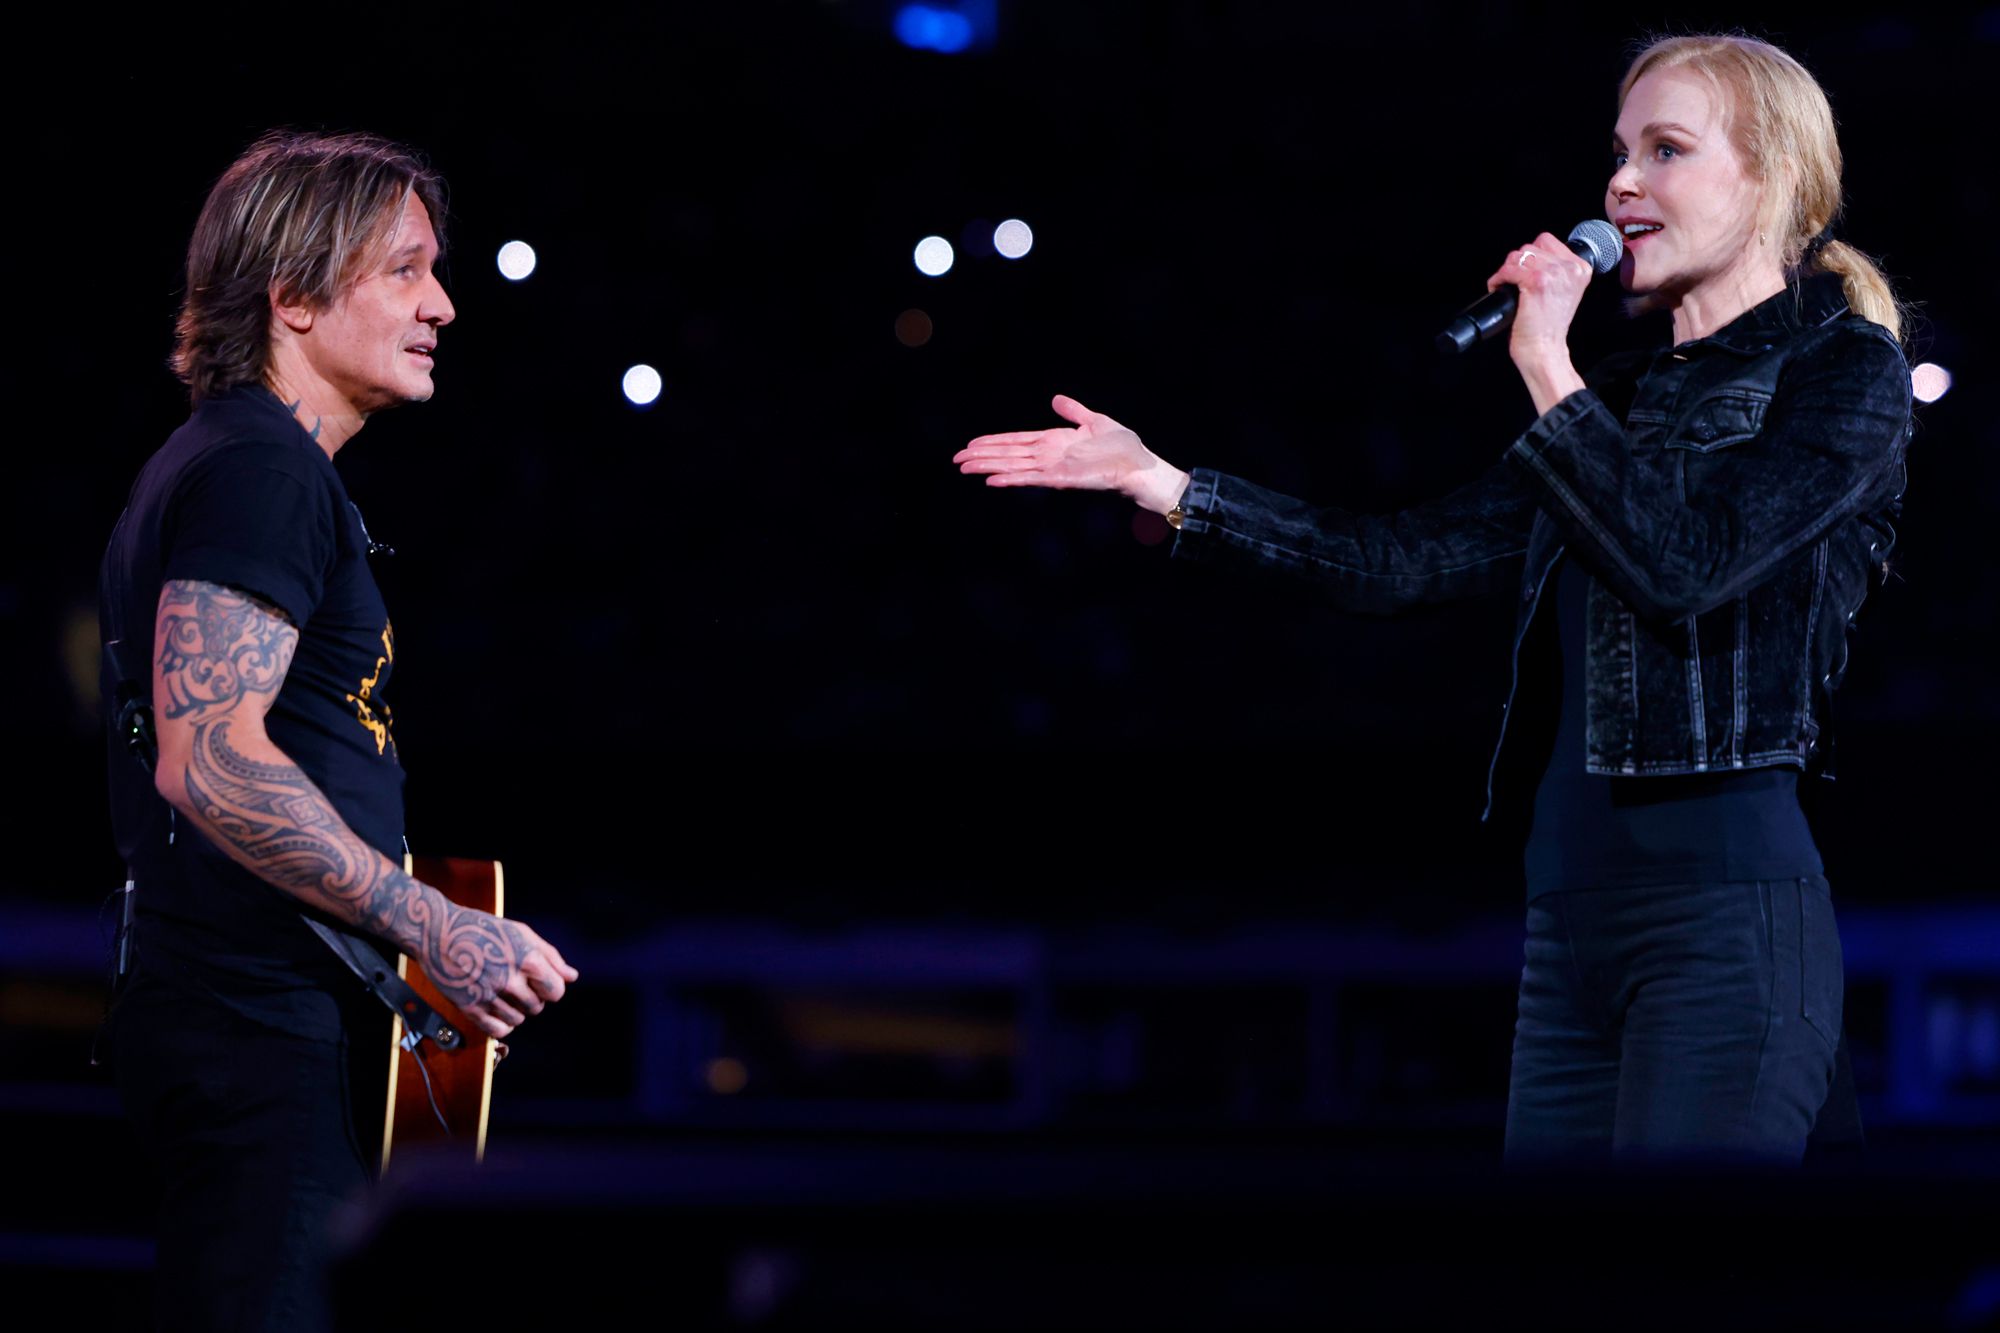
(134, 726)
(419, 1019)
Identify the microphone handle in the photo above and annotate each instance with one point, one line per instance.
(1489, 314)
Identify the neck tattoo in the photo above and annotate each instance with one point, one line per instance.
(317, 421)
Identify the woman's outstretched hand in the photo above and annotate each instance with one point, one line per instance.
(1096, 454)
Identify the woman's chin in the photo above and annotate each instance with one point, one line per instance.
(1629, 279)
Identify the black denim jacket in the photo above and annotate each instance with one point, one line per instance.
(1730, 495)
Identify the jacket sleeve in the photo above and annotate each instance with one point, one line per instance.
(1460, 545)
(1831, 437)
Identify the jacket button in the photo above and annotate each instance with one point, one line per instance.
(1827, 679)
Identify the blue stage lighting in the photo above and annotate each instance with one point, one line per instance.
(948, 26)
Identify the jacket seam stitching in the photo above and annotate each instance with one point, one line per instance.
(1697, 701)
(1740, 701)
(1753, 573)
(1244, 539)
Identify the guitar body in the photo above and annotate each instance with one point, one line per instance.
(461, 1081)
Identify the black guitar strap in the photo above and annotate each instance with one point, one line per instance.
(419, 1019)
(133, 726)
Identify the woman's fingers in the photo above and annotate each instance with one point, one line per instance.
(1025, 477)
(975, 456)
(1557, 255)
(975, 466)
(1007, 437)
(1511, 269)
(1071, 410)
(1536, 264)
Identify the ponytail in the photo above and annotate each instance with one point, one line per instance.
(1868, 292)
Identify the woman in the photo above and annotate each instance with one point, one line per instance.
(1721, 501)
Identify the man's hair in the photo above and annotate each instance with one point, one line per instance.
(299, 213)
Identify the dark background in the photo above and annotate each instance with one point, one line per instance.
(759, 654)
(761, 647)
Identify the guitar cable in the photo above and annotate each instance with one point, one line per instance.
(413, 1042)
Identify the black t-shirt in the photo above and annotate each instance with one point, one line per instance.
(1596, 831)
(243, 497)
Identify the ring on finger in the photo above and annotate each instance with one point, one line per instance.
(1526, 255)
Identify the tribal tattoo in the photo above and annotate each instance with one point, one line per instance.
(317, 421)
(223, 655)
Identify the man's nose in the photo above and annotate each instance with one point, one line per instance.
(438, 308)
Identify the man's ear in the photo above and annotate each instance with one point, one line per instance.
(294, 314)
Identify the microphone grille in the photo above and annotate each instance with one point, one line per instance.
(1606, 246)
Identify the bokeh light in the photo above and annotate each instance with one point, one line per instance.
(726, 1076)
(933, 28)
(933, 256)
(1013, 238)
(642, 385)
(517, 260)
(913, 328)
(1930, 382)
(1150, 528)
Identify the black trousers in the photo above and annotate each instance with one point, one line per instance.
(1682, 1020)
(258, 1139)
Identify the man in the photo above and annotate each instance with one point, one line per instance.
(236, 596)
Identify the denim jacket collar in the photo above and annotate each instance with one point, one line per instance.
(1806, 302)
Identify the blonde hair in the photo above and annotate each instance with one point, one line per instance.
(298, 213)
(1782, 127)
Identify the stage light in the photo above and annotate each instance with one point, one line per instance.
(1013, 238)
(727, 1076)
(913, 328)
(933, 28)
(642, 385)
(933, 256)
(1930, 382)
(517, 260)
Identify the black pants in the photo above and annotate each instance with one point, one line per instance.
(1682, 1020)
(257, 1138)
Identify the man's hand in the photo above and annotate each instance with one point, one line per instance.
(495, 970)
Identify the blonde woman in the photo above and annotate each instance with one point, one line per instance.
(1705, 518)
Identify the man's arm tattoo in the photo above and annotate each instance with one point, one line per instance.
(219, 648)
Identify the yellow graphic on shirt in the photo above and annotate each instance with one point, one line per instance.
(365, 709)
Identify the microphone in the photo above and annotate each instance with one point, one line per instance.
(1594, 239)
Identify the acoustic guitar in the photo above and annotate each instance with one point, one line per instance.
(440, 1098)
